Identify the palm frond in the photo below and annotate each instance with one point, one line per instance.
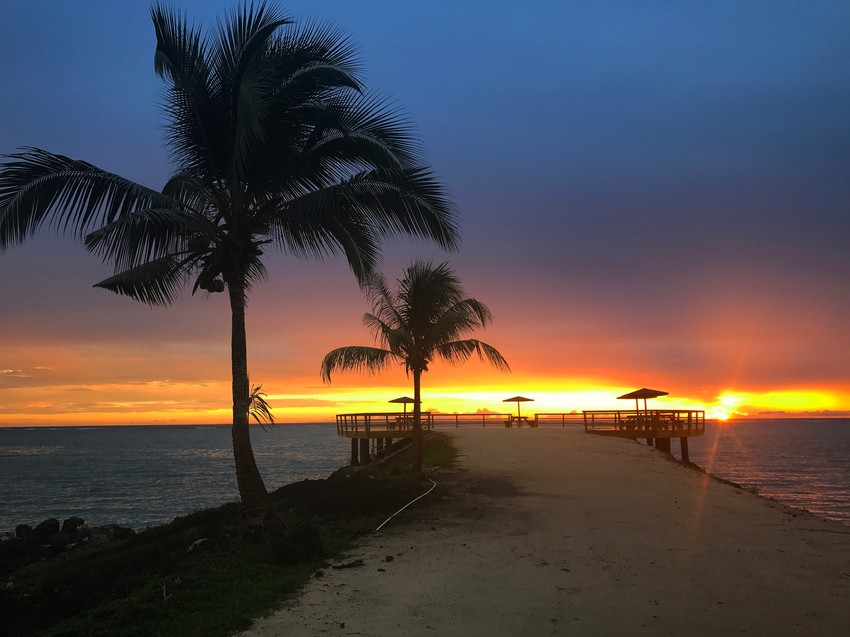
(156, 282)
(258, 408)
(362, 130)
(320, 223)
(145, 235)
(246, 68)
(202, 196)
(356, 358)
(459, 351)
(38, 187)
(192, 105)
(408, 201)
(464, 316)
(315, 57)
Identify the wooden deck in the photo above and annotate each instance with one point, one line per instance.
(657, 426)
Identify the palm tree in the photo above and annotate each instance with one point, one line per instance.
(274, 145)
(419, 323)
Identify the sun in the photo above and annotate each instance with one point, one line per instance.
(717, 413)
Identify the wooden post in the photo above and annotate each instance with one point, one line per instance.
(662, 444)
(683, 441)
(364, 451)
(379, 447)
(354, 461)
(650, 441)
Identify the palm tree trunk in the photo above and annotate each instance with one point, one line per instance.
(257, 506)
(417, 420)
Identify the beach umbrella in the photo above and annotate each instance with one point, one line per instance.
(644, 393)
(405, 400)
(518, 400)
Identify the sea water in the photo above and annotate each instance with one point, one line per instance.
(804, 463)
(141, 476)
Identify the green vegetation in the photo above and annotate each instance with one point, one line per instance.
(152, 584)
(421, 322)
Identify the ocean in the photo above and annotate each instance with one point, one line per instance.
(804, 463)
(143, 476)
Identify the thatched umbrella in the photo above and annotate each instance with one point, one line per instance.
(518, 400)
(406, 400)
(644, 393)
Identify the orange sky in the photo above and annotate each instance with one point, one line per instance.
(128, 364)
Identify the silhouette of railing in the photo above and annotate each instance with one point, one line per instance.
(652, 423)
(564, 419)
(393, 424)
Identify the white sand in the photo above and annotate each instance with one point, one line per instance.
(556, 532)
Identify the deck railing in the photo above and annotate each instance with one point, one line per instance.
(471, 420)
(686, 422)
(389, 424)
(565, 419)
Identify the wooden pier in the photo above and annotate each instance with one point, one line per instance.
(375, 435)
(657, 426)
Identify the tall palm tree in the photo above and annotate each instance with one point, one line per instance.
(274, 145)
(422, 321)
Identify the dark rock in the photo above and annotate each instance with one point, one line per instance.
(72, 524)
(16, 547)
(23, 530)
(47, 529)
(80, 534)
(110, 533)
(6, 535)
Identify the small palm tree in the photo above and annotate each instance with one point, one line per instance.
(422, 321)
(275, 145)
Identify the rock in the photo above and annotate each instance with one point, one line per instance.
(110, 533)
(7, 535)
(15, 548)
(72, 524)
(47, 529)
(23, 530)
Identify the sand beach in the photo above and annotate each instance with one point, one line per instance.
(555, 532)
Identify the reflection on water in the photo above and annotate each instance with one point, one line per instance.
(803, 463)
(141, 476)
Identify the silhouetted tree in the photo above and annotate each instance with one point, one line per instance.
(424, 320)
(274, 144)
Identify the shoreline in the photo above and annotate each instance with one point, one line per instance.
(552, 531)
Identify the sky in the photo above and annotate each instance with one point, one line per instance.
(650, 194)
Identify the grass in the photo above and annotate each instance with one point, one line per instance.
(152, 584)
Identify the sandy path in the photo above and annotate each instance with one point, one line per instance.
(555, 532)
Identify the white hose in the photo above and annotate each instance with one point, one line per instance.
(434, 486)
